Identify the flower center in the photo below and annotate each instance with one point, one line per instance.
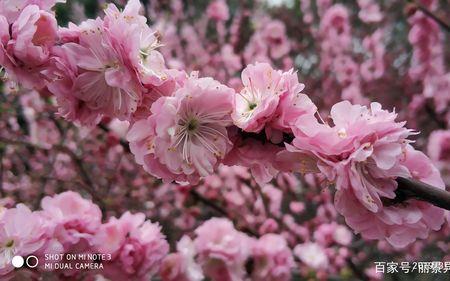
(9, 244)
(252, 106)
(144, 53)
(192, 125)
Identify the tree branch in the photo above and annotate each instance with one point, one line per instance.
(123, 143)
(412, 189)
(197, 196)
(430, 14)
(407, 188)
(89, 184)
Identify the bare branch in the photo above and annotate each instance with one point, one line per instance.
(412, 189)
(431, 15)
(221, 211)
(89, 185)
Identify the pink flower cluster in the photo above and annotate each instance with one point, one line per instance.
(270, 100)
(439, 151)
(103, 67)
(363, 152)
(186, 134)
(220, 253)
(71, 224)
(183, 127)
(270, 42)
(427, 63)
(27, 35)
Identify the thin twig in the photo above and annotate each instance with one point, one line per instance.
(123, 143)
(209, 203)
(2, 152)
(264, 199)
(430, 14)
(358, 272)
(146, 3)
(89, 184)
(220, 210)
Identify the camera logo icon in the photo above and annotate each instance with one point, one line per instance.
(30, 261)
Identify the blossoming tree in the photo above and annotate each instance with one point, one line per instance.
(227, 141)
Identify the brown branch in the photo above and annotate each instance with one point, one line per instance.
(356, 270)
(145, 4)
(407, 188)
(431, 15)
(265, 200)
(430, 111)
(2, 152)
(197, 196)
(412, 189)
(123, 143)
(89, 184)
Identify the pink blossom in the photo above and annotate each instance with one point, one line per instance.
(260, 158)
(328, 233)
(119, 128)
(186, 136)
(11, 9)
(76, 219)
(399, 224)
(273, 258)
(62, 74)
(27, 52)
(175, 80)
(231, 60)
(106, 66)
(256, 50)
(335, 27)
(346, 70)
(439, 146)
(136, 41)
(437, 87)
(373, 68)
(181, 266)
(173, 268)
(312, 255)
(274, 35)
(269, 41)
(426, 39)
(363, 152)
(342, 235)
(370, 11)
(104, 83)
(324, 234)
(354, 93)
(268, 226)
(137, 246)
(361, 138)
(297, 207)
(275, 197)
(222, 249)
(269, 97)
(323, 6)
(257, 102)
(218, 10)
(22, 233)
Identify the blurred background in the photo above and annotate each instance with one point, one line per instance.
(394, 52)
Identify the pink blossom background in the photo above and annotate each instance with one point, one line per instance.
(360, 51)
